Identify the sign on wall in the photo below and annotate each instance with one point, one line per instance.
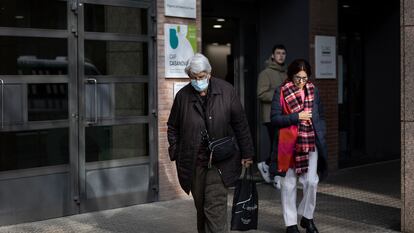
(325, 57)
(180, 8)
(180, 45)
(178, 86)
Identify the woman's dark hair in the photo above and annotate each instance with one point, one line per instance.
(278, 46)
(296, 66)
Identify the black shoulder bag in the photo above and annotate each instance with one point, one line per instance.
(220, 149)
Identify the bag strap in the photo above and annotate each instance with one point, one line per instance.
(246, 173)
(243, 173)
(218, 142)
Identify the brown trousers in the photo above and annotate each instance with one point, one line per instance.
(210, 199)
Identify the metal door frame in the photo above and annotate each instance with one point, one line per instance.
(74, 122)
(70, 122)
(149, 119)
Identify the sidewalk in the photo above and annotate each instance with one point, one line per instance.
(361, 199)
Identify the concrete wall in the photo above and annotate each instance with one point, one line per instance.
(407, 114)
(283, 22)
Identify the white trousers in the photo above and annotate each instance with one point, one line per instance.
(309, 181)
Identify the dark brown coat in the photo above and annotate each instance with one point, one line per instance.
(225, 116)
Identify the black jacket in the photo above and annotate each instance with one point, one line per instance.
(225, 116)
(318, 120)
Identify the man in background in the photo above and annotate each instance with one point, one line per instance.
(269, 79)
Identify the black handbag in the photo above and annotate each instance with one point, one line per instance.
(222, 148)
(245, 210)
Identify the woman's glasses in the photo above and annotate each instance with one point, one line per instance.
(297, 78)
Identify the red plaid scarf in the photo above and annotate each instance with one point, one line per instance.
(306, 135)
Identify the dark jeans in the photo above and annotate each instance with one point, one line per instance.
(270, 133)
(210, 199)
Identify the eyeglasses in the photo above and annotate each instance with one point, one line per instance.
(300, 79)
(199, 76)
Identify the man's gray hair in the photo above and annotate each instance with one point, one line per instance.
(198, 63)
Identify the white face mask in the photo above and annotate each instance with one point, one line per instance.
(200, 85)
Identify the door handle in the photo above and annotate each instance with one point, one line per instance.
(2, 103)
(74, 6)
(95, 82)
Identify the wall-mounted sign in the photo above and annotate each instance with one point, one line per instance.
(178, 86)
(325, 57)
(180, 45)
(180, 8)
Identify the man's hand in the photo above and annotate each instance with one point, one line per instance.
(246, 162)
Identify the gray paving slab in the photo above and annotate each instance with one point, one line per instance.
(363, 199)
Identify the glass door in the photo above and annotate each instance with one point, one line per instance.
(76, 107)
(36, 137)
(117, 163)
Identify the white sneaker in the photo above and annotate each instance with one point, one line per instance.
(276, 182)
(264, 170)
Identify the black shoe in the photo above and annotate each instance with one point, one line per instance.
(309, 225)
(292, 229)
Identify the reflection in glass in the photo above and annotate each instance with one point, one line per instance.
(131, 99)
(29, 149)
(116, 100)
(47, 14)
(48, 101)
(116, 142)
(33, 56)
(100, 18)
(115, 58)
(13, 100)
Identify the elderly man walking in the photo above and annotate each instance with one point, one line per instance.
(207, 109)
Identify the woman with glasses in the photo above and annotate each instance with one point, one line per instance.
(207, 109)
(301, 149)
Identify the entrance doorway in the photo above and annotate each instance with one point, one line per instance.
(369, 60)
(77, 88)
(230, 44)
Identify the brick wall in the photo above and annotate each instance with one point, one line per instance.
(323, 21)
(169, 188)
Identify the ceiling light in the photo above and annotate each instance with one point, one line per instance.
(220, 20)
(19, 17)
(217, 26)
(346, 6)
